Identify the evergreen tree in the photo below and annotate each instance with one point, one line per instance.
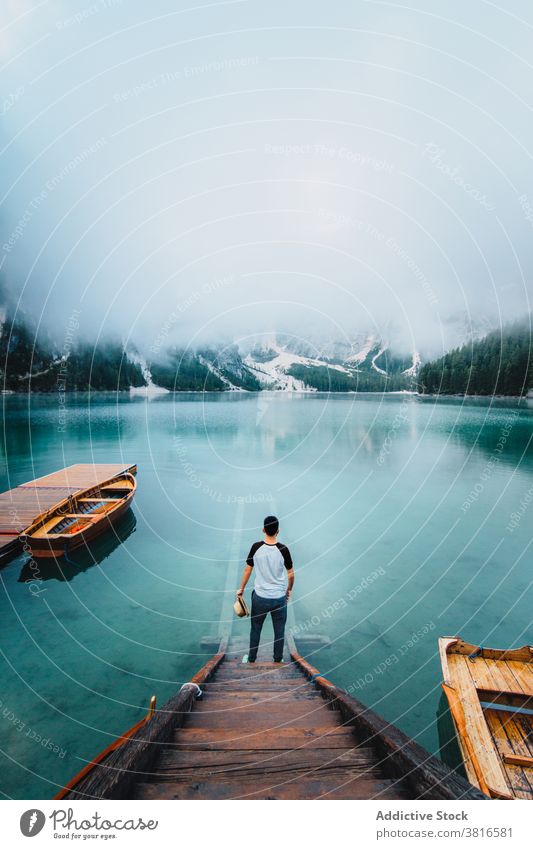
(498, 364)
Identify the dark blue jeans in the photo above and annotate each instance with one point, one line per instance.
(261, 607)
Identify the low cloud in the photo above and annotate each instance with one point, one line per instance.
(261, 194)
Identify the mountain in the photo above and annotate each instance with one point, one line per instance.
(205, 369)
(497, 362)
(285, 364)
(500, 363)
(32, 362)
(483, 362)
(364, 363)
(29, 362)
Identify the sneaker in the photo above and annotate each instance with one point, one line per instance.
(245, 659)
(279, 661)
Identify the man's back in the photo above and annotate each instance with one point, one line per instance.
(274, 577)
(270, 562)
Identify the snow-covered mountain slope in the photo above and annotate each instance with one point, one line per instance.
(360, 355)
(291, 365)
(151, 388)
(382, 350)
(219, 372)
(271, 361)
(271, 367)
(413, 370)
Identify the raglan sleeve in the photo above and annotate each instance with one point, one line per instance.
(287, 559)
(250, 558)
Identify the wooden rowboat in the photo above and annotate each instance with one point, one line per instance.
(490, 694)
(80, 518)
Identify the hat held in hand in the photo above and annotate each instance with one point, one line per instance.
(240, 607)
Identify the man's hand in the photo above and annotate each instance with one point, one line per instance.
(239, 592)
(289, 593)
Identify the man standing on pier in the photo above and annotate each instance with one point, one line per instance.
(274, 578)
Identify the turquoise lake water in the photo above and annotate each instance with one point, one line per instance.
(407, 519)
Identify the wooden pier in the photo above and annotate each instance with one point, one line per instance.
(265, 731)
(21, 506)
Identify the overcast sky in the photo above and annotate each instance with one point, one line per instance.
(236, 168)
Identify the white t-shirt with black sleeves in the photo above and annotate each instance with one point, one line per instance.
(270, 562)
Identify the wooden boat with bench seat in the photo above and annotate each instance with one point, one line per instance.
(80, 518)
(490, 694)
(265, 731)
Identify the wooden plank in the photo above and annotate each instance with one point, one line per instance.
(220, 700)
(519, 760)
(445, 645)
(284, 738)
(268, 698)
(262, 701)
(19, 509)
(267, 690)
(508, 742)
(208, 669)
(493, 672)
(517, 780)
(518, 684)
(232, 682)
(497, 731)
(82, 475)
(246, 762)
(259, 667)
(504, 675)
(298, 686)
(462, 676)
(257, 767)
(522, 654)
(525, 726)
(472, 766)
(341, 785)
(259, 718)
(501, 675)
(516, 702)
(519, 730)
(260, 663)
(257, 675)
(523, 673)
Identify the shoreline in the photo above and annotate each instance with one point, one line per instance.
(476, 397)
(160, 392)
